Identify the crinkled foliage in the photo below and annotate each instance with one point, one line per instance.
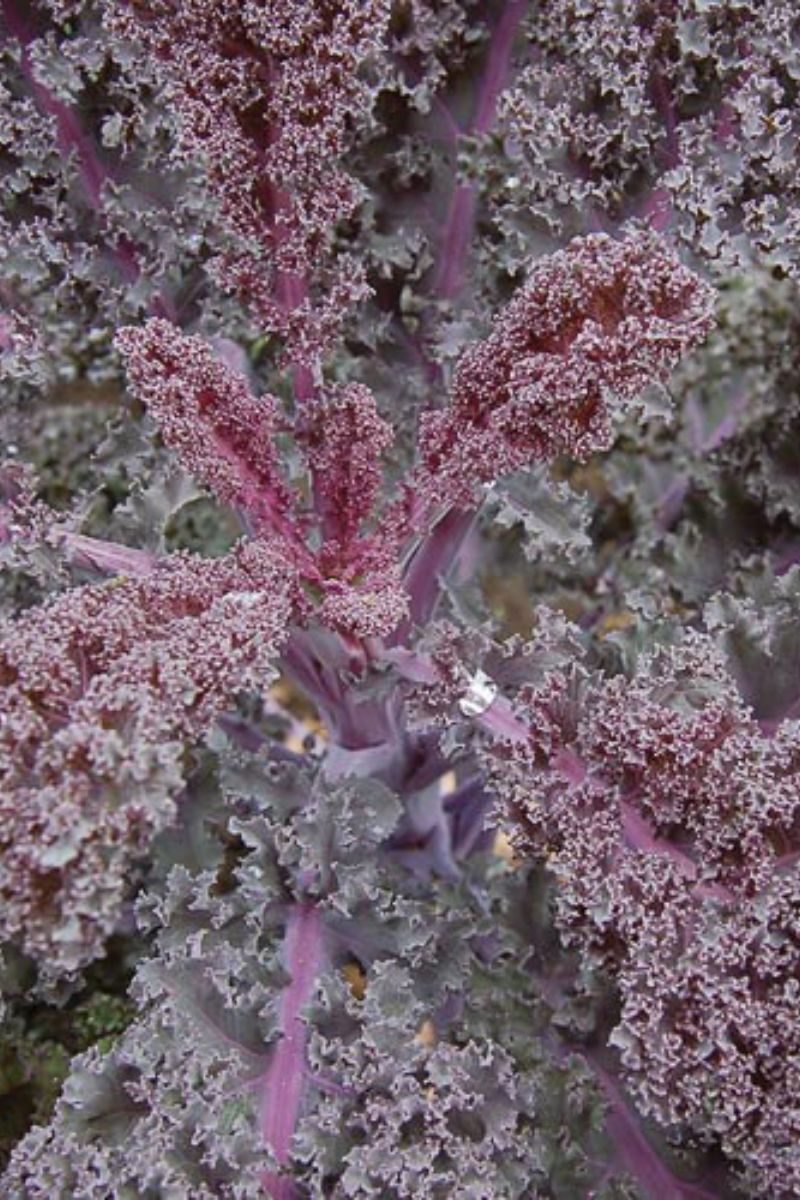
(101, 689)
(398, 680)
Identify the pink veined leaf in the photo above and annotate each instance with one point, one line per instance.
(666, 817)
(101, 687)
(346, 438)
(224, 436)
(594, 325)
(265, 95)
(206, 412)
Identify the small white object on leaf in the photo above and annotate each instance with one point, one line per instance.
(480, 695)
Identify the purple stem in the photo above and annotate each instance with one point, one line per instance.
(435, 555)
(320, 667)
(285, 1077)
(306, 672)
(501, 721)
(73, 139)
(495, 77)
(71, 136)
(662, 100)
(461, 214)
(456, 238)
(430, 562)
(466, 809)
(109, 557)
(636, 1154)
(671, 502)
(291, 290)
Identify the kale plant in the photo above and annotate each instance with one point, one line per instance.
(399, 543)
